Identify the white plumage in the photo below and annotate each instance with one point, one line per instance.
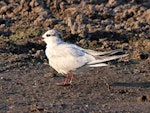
(65, 57)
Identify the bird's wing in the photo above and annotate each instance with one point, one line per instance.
(92, 57)
(101, 57)
(99, 53)
(96, 53)
(70, 57)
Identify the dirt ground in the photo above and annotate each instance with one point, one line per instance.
(26, 87)
(28, 84)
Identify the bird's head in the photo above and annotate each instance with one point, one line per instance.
(51, 37)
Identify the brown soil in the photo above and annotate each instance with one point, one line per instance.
(28, 84)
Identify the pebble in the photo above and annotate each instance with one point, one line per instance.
(144, 98)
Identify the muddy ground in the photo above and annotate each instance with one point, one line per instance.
(26, 87)
(28, 84)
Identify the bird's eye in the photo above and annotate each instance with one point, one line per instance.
(48, 35)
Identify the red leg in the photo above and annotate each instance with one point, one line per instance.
(72, 78)
(65, 83)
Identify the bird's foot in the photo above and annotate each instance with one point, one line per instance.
(64, 84)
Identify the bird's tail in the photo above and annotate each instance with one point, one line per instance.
(100, 62)
(98, 53)
(98, 65)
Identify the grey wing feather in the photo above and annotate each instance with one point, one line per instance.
(92, 55)
(107, 58)
(97, 53)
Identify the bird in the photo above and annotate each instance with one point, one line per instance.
(69, 59)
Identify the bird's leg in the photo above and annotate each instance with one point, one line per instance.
(72, 78)
(66, 80)
(65, 83)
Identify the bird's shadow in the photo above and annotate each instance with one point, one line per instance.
(132, 84)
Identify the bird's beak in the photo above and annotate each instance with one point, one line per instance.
(38, 38)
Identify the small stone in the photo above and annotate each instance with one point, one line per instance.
(82, 41)
(74, 28)
(143, 98)
(34, 3)
(91, 8)
(39, 53)
(148, 98)
(3, 9)
(83, 4)
(49, 22)
(93, 43)
(109, 27)
(117, 26)
(2, 3)
(113, 3)
(79, 18)
(62, 6)
(49, 75)
(70, 22)
(143, 56)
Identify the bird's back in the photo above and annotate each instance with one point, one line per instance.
(66, 57)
